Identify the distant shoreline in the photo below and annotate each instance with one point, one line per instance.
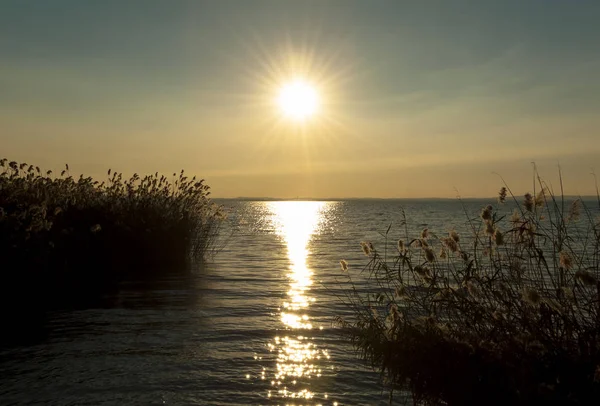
(340, 199)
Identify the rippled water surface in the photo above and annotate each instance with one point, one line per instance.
(252, 327)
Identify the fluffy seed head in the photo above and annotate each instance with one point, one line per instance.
(489, 228)
(502, 194)
(422, 271)
(540, 198)
(400, 291)
(451, 244)
(498, 237)
(401, 247)
(516, 217)
(454, 235)
(473, 289)
(344, 265)
(574, 210)
(429, 254)
(565, 260)
(528, 202)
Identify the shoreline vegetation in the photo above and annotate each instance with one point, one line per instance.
(66, 241)
(507, 314)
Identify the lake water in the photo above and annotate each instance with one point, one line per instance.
(254, 327)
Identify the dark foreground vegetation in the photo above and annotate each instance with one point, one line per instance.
(66, 241)
(508, 315)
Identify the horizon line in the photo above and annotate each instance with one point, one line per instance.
(263, 198)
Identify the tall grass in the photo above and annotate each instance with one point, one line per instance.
(508, 314)
(64, 237)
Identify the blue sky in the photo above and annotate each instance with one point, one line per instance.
(442, 93)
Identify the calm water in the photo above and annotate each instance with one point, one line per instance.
(252, 328)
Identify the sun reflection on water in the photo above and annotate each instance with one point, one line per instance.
(298, 358)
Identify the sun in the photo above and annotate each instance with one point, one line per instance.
(298, 100)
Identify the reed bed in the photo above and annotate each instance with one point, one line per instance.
(65, 238)
(509, 314)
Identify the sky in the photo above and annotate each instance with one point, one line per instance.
(417, 98)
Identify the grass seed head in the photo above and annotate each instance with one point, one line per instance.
(429, 254)
(565, 260)
(528, 202)
(400, 291)
(454, 235)
(489, 228)
(574, 210)
(401, 246)
(498, 237)
(366, 247)
(502, 194)
(344, 265)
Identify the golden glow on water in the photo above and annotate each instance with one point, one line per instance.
(298, 358)
(296, 222)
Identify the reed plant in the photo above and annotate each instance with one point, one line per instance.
(507, 314)
(63, 237)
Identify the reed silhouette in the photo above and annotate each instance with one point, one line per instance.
(67, 241)
(509, 314)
